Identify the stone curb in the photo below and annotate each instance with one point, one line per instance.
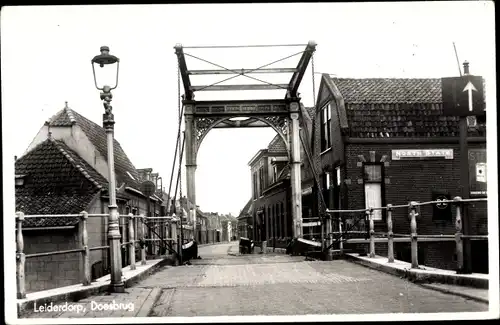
(455, 293)
(420, 277)
(84, 292)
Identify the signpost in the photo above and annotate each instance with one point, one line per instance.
(464, 96)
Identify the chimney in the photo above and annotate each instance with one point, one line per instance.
(466, 68)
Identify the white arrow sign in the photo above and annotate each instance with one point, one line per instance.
(469, 88)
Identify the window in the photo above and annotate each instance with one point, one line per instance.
(261, 180)
(275, 172)
(326, 118)
(254, 181)
(372, 175)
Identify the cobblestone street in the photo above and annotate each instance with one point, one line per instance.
(220, 284)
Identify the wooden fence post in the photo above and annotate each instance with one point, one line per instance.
(131, 236)
(413, 229)
(372, 235)
(390, 235)
(143, 247)
(86, 251)
(341, 244)
(20, 257)
(458, 234)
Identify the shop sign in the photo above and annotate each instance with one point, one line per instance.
(477, 172)
(422, 154)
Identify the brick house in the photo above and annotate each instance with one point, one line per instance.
(64, 171)
(364, 134)
(271, 191)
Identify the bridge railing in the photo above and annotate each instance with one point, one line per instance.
(129, 230)
(412, 237)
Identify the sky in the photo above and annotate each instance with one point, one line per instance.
(46, 53)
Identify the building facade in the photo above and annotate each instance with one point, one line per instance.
(65, 171)
(380, 141)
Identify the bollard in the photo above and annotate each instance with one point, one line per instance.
(20, 257)
(458, 235)
(86, 251)
(372, 234)
(413, 229)
(131, 236)
(143, 246)
(390, 235)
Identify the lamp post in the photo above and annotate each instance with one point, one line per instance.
(107, 65)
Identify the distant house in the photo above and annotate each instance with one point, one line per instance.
(64, 171)
(214, 227)
(244, 220)
(381, 141)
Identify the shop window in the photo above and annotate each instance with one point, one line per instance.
(372, 176)
(326, 118)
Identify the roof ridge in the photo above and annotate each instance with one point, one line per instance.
(70, 114)
(386, 78)
(72, 161)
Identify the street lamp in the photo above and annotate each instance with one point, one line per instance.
(108, 66)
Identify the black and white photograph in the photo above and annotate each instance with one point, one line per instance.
(249, 162)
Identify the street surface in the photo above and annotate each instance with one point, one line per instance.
(225, 284)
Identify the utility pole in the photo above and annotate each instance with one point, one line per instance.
(463, 97)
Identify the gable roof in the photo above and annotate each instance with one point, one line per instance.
(97, 135)
(385, 108)
(277, 145)
(57, 181)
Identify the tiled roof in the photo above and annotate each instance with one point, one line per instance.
(57, 181)
(389, 91)
(246, 209)
(277, 145)
(385, 108)
(97, 135)
(311, 112)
